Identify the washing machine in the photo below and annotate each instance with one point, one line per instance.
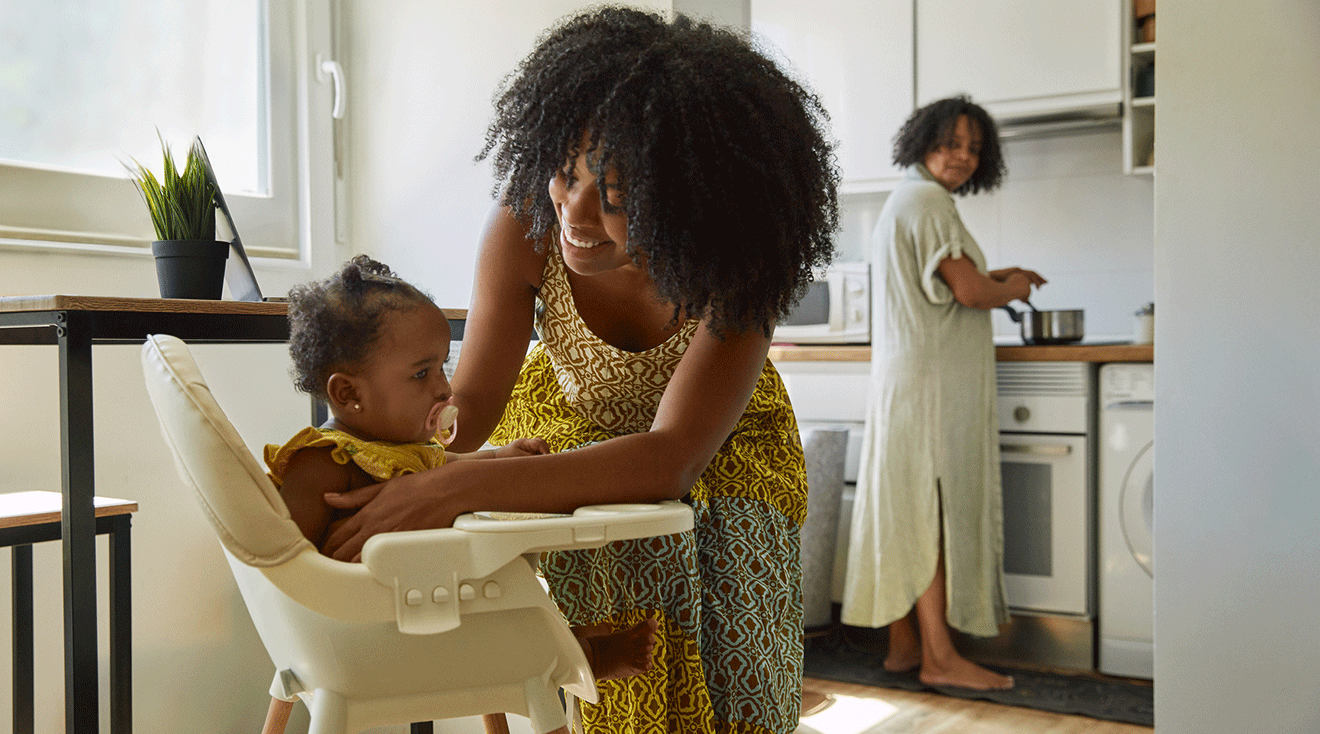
(1127, 501)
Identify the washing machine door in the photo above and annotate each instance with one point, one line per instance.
(1137, 508)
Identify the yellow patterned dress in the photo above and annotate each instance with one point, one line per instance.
(380, 459)
(728, 595)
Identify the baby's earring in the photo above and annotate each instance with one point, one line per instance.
(357, 406)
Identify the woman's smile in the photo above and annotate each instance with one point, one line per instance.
(581, 243)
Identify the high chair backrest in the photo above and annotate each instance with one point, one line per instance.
(237, 497)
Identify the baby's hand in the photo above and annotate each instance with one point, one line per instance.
(523, 447)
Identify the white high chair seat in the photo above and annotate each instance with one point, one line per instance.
(432, 624)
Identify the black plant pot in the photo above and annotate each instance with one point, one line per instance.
(190, 268)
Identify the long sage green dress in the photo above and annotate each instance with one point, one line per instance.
(930, 461)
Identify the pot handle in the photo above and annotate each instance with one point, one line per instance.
(1012, 313)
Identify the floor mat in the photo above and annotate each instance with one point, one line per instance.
(832, 656)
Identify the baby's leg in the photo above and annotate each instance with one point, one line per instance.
(618, 654)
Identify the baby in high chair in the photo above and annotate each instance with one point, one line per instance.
(373, 347)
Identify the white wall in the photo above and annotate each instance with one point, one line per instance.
(1065, 210)
(1237, 513)
(729, 12)
(423, 76)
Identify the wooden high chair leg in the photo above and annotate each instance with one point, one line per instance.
(495, 723)
(277, 716)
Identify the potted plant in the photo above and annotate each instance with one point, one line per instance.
(190, 261)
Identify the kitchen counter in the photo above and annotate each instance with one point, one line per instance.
(1018, 353)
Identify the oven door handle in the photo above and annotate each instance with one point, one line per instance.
(1037, 449)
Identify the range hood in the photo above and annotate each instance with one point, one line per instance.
(1060, 115)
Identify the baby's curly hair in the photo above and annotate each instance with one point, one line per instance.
(931, 125)
(334, 323)
(727, 171)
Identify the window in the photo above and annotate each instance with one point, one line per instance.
(87, 85)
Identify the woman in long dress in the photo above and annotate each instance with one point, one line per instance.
(666, 192)
(926, 544)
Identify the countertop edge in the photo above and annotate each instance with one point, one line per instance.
(1021, 353)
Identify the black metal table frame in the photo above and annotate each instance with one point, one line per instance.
(75, 331)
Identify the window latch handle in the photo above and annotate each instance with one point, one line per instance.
(330, 67)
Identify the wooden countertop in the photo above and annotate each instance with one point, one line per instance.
(1020, 353)
(794, 353)
(1077, 353)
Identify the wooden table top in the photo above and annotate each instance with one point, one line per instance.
(157, 305)
(19, 509)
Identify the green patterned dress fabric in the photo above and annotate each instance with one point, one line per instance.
(728, 594)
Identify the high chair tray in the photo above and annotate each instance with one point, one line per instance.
(659, 519)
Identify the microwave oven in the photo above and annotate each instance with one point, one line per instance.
(836, 308)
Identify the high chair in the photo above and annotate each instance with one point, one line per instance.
(433, 624)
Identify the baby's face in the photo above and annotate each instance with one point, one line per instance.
(403, 386)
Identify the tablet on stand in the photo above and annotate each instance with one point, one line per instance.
(239, 277)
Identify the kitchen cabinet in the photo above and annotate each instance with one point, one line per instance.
(1138, 100)
(1021, 58)
(857, 56)
(826, 391)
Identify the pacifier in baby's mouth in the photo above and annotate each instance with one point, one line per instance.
(443, 422)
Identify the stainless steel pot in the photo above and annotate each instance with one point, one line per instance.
(1049, 327)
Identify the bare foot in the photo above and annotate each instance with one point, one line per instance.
(618, 654)
(901, 661)
(960, 672)
(904, 648)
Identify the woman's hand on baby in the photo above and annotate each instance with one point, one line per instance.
(402, 503)
(523, 447)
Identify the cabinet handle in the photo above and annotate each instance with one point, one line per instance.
(1037, 449)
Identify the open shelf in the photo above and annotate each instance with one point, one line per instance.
(1138, 111)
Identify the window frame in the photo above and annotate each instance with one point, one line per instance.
(51, 209)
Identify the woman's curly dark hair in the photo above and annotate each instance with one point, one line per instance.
(334, 323)
(933, 125)
(727, 171)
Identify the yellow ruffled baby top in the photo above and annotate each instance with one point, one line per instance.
(382, 460)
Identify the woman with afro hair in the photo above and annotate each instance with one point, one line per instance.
(926, 545)
(664, 193)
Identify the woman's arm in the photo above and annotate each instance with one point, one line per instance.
(498, 329)
(701, 406)
(974, 289)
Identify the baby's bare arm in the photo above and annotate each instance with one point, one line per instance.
(516, 447)
(310, 474)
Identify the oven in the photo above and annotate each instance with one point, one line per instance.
(1046, 520)
(1047, 423)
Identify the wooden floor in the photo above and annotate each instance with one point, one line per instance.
(846, 708)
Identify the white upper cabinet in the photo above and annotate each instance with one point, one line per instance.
(857, 56)
(1021, 57)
